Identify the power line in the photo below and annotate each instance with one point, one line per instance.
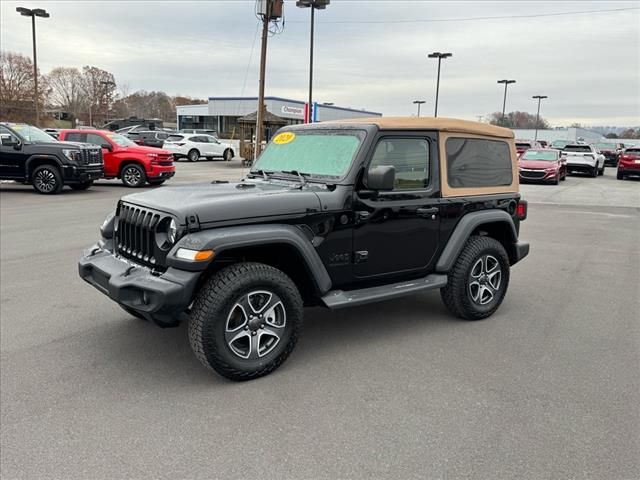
(469, 19)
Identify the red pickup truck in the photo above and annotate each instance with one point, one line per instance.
(123, 159)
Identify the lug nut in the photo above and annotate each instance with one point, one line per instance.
(246, 328)
(262, 326)
(253, 333)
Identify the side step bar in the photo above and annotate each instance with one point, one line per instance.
(335, 299)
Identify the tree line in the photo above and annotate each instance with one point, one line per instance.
(89, 95)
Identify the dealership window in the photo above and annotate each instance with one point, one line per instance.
(473, 162)
(409, 156)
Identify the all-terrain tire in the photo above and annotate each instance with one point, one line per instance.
(212, 309)
(47, 180)
(456, 294)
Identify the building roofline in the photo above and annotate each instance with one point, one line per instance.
(290, 100)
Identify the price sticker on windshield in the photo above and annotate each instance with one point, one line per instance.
(284, 138)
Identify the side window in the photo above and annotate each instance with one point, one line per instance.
(6, 131)
(473, 162)
(95, 139)
(75, 137)
(409, 156)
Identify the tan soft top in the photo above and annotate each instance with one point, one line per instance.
(431, 123)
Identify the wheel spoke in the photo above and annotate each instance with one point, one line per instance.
(240, 343)
(259, 301)
(477, 269)
(237, 318)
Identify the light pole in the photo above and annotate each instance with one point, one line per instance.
(418, 102)
(319, 5)
(33, 13)
(439, 56)
(539, 97)
(504, 102)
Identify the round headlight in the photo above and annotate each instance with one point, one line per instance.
(172, 231)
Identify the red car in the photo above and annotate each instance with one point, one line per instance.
(123, 159)
(542, 165)
(524, 145)
(629, 163)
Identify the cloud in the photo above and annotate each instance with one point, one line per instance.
(588, 64)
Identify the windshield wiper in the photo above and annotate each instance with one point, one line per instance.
(264, 174)
(303, 181)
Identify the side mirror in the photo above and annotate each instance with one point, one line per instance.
(106, 146)
(382, 178)
(9, 141)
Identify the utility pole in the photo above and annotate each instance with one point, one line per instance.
(33, 13)
(539, 97)
(268, 10)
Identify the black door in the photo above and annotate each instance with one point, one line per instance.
(397, 231)
(12, 160)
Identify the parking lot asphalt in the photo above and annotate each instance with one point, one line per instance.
(547, 388)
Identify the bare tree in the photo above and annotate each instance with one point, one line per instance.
(16, 88)
(99, 87)
(67, 90)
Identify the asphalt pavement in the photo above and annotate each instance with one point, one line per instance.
(547, 388)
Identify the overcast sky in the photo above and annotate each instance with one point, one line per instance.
(369, 54)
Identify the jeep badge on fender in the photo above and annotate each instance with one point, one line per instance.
(429, 203)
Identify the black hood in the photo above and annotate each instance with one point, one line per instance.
(62, 145)
(223, 202)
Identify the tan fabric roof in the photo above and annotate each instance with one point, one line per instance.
(431, 123)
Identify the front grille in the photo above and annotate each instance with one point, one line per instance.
(533, 174)
(165, 163)
(91, 156)
(135, 237)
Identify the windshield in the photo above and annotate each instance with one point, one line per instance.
(119, 139)
(578, 148)
(32, 134)
(323, 153)
(538, 155)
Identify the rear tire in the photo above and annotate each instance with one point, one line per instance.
(601, 172)
(81, 186)
(594, 172)
(478, 280)
(193, 155)
(245, 321)
(47, 180)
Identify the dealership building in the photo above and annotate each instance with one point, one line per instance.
(222, 113)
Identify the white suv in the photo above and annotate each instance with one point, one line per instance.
(194, 145)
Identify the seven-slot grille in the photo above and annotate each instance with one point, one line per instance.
(136, 234)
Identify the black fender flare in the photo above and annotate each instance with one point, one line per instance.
(37, 157)
(463, 231)
(227, 238)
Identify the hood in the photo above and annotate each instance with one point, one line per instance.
(220, 202)
(61, 145)
(141, 149)
(537, 164)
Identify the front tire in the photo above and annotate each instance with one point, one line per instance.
(245, 321)
(228, 155)
(133, 175)
(47, 180)
(479, 279)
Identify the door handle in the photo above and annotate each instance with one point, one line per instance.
(427, 212)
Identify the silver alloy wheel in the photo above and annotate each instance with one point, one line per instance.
(193, 155)
(255, 324)
(485, 279)
(45, 180)
(131, 175)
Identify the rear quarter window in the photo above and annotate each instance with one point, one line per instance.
(473, 162)
(175, 138)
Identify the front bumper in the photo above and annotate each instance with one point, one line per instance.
(159, 297)
(157, 173)
(586, 167)
(81, 174)
(538, 175)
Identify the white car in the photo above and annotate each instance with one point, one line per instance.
(583, 158)
(196, 145)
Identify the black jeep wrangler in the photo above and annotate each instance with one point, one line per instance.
(333, 214)
(29, 155)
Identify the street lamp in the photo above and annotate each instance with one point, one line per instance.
(439, 56)
(539, 97)
(504, 103)
(418, 102)
(319, 5)
(33, 13)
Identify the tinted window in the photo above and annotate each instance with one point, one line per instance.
(95, 139)
(633, 151)
(75, 137)
(409, 156)
(578, 148)
(523, 145)
(6, 131)
(174, 138)
(478, 163)
(162, 136)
